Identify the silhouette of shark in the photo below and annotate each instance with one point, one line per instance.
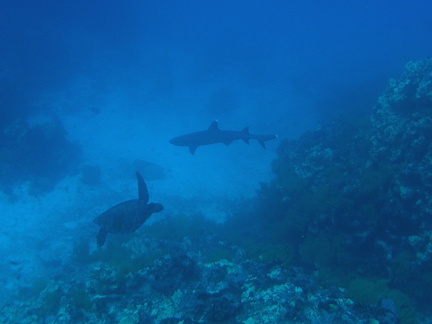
(214, 135)
(127, 216)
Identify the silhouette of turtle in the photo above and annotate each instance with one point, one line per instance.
(127, 216)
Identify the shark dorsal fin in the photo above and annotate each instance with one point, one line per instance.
(214, 126)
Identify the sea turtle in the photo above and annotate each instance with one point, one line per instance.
(127, 216)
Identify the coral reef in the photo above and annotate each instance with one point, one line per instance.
(342, 234)
(38, 153)
(354, 196)
(179, 285)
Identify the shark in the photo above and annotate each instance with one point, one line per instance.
(215, 135)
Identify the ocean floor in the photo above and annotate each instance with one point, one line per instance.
(38, 233)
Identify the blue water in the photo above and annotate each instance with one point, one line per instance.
(103, 86)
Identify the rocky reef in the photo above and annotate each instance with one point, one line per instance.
(148, 280)
(36, 152)
(342, 234)
(353, 198)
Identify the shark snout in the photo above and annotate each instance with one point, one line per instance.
(179, 141)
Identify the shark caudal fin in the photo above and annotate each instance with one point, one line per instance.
(263, 138)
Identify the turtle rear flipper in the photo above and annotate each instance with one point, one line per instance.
(101, 236)
(142, 188)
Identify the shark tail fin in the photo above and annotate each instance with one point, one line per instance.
(263, 138)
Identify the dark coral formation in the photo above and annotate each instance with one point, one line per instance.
(354, 197)
(39, 153)
(161, 281)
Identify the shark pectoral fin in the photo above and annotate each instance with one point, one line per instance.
(262, 143)
(192, 149)
(246, 140)
(101, 236)
(227, 142)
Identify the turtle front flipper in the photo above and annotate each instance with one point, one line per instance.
(142, 189)
(101, 236)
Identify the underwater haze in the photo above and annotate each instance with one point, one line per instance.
(307, 202)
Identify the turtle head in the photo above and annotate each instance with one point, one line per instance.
(155, 207)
